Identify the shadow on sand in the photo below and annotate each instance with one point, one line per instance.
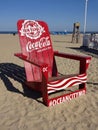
(86, 50)
(10, 70)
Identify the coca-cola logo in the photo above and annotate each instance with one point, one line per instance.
(31, 29)
(42, 43)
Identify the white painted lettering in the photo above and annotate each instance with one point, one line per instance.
(66, 98)
(43, 42)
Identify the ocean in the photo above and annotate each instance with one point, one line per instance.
(51, 32)
(8, 32)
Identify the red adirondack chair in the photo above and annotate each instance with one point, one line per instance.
(40, 64)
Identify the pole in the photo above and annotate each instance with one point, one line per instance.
(85, 16)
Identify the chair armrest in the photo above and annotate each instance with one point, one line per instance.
(42, 66)
(72, 56)
(25, 58)
(84, 60)
(21, 56)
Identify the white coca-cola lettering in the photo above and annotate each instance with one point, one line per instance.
(43, 42)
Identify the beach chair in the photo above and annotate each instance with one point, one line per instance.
(40, 64)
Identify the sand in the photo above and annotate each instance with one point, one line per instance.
(22, 109)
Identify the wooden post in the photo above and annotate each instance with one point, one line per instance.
(76, 33)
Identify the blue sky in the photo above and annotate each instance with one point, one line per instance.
(59, 14)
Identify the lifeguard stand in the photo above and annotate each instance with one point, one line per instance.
(76, 32)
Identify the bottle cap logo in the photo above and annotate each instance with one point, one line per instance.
(31, 29)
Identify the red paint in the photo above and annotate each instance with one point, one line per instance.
(40, 65)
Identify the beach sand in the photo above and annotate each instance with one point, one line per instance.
(22, 109)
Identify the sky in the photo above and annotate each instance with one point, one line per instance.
(58, 14)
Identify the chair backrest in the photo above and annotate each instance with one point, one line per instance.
(36, 44)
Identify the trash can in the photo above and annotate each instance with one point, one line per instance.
(86, 40)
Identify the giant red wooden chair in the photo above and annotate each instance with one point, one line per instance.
(40, 64)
